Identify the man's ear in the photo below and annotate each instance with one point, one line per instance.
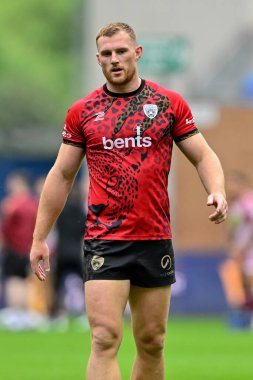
(138, 52)
(98, 59)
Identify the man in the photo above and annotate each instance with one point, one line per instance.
(18, 213)
(126, 129)
(237, 269)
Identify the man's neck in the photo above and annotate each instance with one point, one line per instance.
(124, 88)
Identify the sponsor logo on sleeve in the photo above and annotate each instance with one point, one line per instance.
(65, 133)
(190, 121)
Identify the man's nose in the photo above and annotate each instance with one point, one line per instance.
(114, 57)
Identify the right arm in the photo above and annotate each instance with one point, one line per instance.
(52, 200)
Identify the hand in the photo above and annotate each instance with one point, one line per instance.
(219, 202)
(39, 258)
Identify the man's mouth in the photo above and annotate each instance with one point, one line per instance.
(116, 70)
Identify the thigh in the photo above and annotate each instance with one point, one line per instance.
(105, 302)
(149, 310)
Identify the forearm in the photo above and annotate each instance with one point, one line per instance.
(52, 201)
(211, 174)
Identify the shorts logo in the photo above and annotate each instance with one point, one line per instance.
(166, 262)
(97, 262)
(150, 110)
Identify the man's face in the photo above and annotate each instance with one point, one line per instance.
(118, 56)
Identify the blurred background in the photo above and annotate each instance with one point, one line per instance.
(202, 49)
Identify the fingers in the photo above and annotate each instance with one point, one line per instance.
(220, 203)
(217, 220)
(38, 269)
(46, 264)
(218, 216)
(39, 259)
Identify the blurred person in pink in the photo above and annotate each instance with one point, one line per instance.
(18, 212)
(237, 270)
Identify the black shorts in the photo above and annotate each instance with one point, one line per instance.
(15, 264)
(146, 263)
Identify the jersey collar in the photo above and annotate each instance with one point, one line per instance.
(124, 94)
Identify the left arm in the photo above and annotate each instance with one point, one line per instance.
(209, 169)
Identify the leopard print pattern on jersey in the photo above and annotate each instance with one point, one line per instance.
(119, 179)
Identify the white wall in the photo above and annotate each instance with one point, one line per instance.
(211, 26)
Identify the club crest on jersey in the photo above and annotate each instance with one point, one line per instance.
(150, 110)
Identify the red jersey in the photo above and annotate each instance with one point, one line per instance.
(128, 140)
(18, 221)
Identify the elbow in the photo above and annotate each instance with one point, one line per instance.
(63, 176)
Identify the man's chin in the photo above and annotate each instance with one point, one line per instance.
(118, 81)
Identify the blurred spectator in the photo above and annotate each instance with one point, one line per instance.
(237, 270)
(68, 274)
(41, 296)
(18, 213)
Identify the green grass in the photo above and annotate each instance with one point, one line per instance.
(196, 349)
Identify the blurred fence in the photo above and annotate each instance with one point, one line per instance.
(198, 288)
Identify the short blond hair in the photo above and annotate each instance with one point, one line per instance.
(110, 29)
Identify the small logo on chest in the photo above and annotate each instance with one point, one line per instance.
(150, 110)
(99, 116)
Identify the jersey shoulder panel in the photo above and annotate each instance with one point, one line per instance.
(76, 117)
(184, 125)
(80, 104)
(71, 131)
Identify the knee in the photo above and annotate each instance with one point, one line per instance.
(151, 343)
(105, 339)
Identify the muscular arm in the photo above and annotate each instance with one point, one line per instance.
(53, 197)
(210, 172)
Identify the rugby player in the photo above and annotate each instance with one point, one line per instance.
(126, 130)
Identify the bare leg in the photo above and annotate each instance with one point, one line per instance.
(150, 309)
(232, 281)
(16, 293)
(105, 304)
